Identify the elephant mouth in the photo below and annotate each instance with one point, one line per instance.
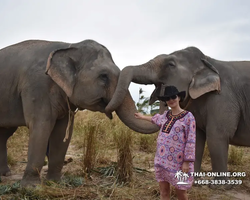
(97, 105)
(104, 102)
(100, 105)
(155, 93)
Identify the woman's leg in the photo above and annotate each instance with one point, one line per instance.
(181, 194)
(164, 190)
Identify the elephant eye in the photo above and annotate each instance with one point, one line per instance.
(171, 64)
(104, 78)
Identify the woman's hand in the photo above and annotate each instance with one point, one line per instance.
(144, 117)
(185, 167)
(139, 115)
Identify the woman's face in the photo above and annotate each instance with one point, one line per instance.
(173, 103)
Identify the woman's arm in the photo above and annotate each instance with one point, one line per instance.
(189, 151)
(144, 117)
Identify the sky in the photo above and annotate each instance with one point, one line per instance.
(134, 31)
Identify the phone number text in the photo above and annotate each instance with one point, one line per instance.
(218, 182)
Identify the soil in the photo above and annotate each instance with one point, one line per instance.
(145, 187)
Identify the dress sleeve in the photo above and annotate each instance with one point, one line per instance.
(189, 151)
(157, 119)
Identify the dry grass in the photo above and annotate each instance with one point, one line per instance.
(147, 143)
(113, 151)
(123, 139)
(17, 145)
(235, 155)
(90, 147)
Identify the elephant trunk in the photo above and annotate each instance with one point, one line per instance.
(142, 74)
(126, 113)
(123, 103)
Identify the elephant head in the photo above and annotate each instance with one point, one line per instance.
(188, 69)
(88, 75)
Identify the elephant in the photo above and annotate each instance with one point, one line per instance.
(217, 93)
(42, 84)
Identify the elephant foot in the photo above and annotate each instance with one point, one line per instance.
(30, 181)
(54, 176)
(5, 172)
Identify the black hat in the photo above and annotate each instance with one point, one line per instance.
(171, 91)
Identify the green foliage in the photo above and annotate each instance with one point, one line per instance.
(155, 107)
(143, 104)
(108, 170)
(7, 189)
(41, 192)
(66, 182)
(72, 181)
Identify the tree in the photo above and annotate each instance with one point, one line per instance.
(143, 104)
(155, 107)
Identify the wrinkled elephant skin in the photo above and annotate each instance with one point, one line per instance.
(81, 75)
(218, 94)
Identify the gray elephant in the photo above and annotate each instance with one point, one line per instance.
(218, 94)
(79, 76)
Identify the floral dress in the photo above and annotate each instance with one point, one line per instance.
(175, 144)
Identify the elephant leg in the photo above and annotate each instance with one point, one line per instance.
(218, 143)
(199, 149)
(219, 129)
(5, 133)
(38, 142)
(218, 149)
(58, 148)
(40, 120)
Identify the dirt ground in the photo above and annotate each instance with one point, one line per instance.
(143, 186)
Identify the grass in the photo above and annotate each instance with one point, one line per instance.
(123, 139)
(235, 155)
(109, 161)
(147, 143)
(90, 147)
(18, 145)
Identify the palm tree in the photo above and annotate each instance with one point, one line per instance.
(143, 104)
(185, 176)
(178, 175)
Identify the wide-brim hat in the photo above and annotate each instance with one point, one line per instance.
(171, 91)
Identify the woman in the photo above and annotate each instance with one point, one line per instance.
(175, 145)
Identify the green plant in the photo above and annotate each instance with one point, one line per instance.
(143, 104)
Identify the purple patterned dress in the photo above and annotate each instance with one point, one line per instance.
(175, 144)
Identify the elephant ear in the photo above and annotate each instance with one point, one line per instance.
(61, 68)
(205, 80)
